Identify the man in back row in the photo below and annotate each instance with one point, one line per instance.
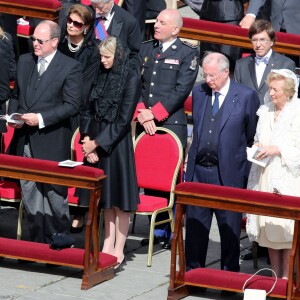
(254, 69)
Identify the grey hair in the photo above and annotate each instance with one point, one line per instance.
(221, 60)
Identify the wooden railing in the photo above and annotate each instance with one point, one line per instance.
(89, 258)
(238, 200)
(233, 35)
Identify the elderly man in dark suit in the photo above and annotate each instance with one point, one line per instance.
(254, 69)
(114, 20)
(224, 118)
(47, 93)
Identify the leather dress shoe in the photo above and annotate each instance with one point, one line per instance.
(247, 256)
(167, 245)
(156, 240)
(227, 294)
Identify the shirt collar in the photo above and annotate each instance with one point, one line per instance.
(48, 58)
(166, 45)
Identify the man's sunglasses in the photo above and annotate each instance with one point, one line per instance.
(41, 42)
(76, 24)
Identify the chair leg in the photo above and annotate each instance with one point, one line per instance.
(151, 240)
(254, 253)
(20, 219)
(100, 228)
(133, 223)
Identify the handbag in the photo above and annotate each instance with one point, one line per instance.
(251, 294)
(59, 241)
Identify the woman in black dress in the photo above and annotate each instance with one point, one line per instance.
(105, 128)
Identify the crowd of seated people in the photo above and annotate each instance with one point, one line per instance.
(93, 71)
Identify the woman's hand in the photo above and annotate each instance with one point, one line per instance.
(92, 157)
(267, 151)
(88, 146)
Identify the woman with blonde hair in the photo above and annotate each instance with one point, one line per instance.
(105, 129)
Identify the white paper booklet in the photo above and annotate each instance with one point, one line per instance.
(69, 163)
(13, 118)
(252, 154)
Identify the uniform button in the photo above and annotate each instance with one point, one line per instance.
(156, 61)
(154, 73)
(152, 83)
(208, 143)
(212, 120)
(208, 154)
(171, 67)
(176, 122)
(209, 131)
(150, 95)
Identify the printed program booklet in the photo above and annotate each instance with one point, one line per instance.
(252, 156)
(69, 163)
(13, 118)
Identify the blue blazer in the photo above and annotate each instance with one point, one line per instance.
(238, 126)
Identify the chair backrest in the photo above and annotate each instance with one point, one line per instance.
(76, 152)
(158, 159)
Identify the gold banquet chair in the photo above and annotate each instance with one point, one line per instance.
(158, 159)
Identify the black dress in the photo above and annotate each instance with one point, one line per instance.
(116, 156)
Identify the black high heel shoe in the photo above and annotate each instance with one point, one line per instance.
(119, 267)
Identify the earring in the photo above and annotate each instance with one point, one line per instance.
(85, 31)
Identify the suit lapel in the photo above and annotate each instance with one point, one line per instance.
(200, 106)
(115, 26)
(29, 68)
(252, 71)
(229, 103)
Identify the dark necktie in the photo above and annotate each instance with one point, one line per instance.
(215, 106)
(160, 50)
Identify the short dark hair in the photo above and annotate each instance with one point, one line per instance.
(260, 26)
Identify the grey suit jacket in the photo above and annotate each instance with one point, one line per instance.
(57, 98)
(288, 10)
(244, 71)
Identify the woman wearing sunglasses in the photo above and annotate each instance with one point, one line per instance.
(78, 42)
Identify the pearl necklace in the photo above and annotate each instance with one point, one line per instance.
(71, 48)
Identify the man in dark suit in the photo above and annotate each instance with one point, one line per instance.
(120, 23)
(253, 70)
(47, 93)
(4, 87)
(222, 11)
(224, 118)
(284, 14)
(169, 70)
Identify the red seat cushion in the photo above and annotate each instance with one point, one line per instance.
(10, 191)
(43, 253)
(150, 203)
(221, 279)
(51, 4)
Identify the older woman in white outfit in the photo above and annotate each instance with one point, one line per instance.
(278, 137)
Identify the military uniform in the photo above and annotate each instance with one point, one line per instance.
(167, 80)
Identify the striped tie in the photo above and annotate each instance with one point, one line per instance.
(100, 30)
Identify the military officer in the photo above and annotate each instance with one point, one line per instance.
(169, 69)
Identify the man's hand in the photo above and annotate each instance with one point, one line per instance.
(150, 127)
(30, 119)
(247, 21)
(144, 115)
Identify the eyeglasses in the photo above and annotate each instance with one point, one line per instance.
(262, 41)
(211, 77)
(41, 42)
(76, 24)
